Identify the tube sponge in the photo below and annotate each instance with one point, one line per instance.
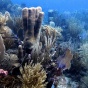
(32, 19)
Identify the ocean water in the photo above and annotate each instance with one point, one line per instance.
(60, 5)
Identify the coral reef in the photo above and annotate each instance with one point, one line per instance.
(33, 53)
(33, 76)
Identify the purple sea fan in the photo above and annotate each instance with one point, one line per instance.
(63, 62)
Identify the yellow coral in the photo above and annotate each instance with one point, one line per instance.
(49, 34)
(4, 18)
(4, 29)
(33, 76)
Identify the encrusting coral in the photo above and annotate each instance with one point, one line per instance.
(33, 76)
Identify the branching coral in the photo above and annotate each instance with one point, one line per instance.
(33, 76)
(5, 30)
(74, 27)
(4, 18)
(42, 48)
(83, 51)
(48, 36)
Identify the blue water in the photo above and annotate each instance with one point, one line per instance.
(60, 5)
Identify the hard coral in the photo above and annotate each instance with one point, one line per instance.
(33, 76)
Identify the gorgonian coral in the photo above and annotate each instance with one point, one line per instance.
(33, 76)
(2, 48)
(4, 18)
(83, 52)
(74, 26)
